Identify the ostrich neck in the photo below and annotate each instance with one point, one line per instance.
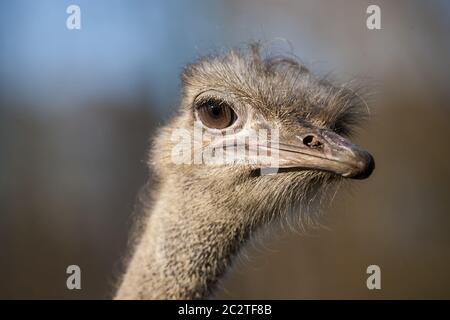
(184, 250)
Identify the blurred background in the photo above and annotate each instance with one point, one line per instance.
(79, 107)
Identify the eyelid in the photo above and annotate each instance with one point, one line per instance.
(204, 99)
(212, 94)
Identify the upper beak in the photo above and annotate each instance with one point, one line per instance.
(322, 149)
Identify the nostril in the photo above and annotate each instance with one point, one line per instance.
(312, 142)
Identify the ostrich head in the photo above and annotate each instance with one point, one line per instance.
(231, 96)
(204, 211)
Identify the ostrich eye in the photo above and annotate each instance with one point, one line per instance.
(216, 114)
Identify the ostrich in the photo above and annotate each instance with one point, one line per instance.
(202, 215)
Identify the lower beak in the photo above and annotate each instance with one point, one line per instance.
(322, 149)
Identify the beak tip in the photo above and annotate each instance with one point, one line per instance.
(366, 168)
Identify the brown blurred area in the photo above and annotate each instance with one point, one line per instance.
(70, 176)
(68, 196)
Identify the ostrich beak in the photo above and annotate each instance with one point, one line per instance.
(322, 149)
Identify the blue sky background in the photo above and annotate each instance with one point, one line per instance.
(124, 45)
